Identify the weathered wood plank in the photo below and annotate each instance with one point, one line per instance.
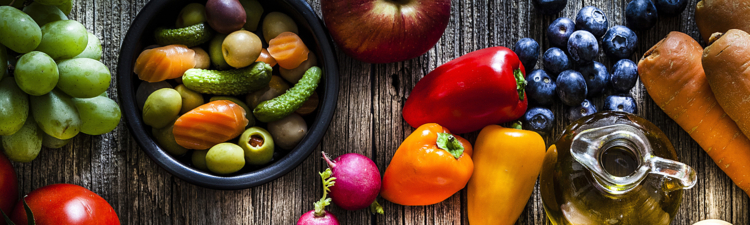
(367, 121)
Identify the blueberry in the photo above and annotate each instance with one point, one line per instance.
(583, 47)
(527, 50)
(597, 77)
(619, 42)
(624, 75)
(555, 61)
(550, 6)
(559, 31)
(539, 120)
(621, 102)
(670, 8)
(641, 14)
(593, 20)
(540, 88)
(584, 109)
(571, 87)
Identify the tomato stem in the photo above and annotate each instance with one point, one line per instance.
(517, 125)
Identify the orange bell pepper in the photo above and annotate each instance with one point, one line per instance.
(507, 163)
(430, 166)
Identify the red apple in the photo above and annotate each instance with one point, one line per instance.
(385, 31)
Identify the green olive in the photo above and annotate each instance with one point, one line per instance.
(199, 159)
(248, 112)
(202, 60)
(52, 142)
(225, 158)
(193, 13)
(287, 132)
(310, 105)
(190, 98)
(145, 89)
(276, 87)
(253, 10)
(241, 48)
(258, 146)
(276, 23)
(165, 138)
(162, 107)
(295, 74)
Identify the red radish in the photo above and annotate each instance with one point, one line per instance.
(320, 216)
(357, 182)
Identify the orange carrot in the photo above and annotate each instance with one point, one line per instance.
(674, 78)
(266, 58)
(168, 62)
(288, 50)
(210, 124)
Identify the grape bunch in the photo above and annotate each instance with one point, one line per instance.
(57, 87)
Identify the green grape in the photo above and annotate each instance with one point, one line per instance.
(24, 145)
(14, 107)
(3, 61)
(56, 114)
(52, 2)
(52, 142)
(192, 14)
(63, 39)
(44, 14)
(18, 31)
(98, 115)
(93, 49)
(66, 7)
(83, 77)
(36, 73)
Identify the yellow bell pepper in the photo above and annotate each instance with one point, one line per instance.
(507, 162)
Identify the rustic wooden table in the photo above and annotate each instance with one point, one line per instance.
(367, 121)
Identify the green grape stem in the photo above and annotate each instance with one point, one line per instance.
(328, 182)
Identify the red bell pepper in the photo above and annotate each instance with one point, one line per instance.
(475, 90)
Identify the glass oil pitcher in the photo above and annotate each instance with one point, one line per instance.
(613, 168)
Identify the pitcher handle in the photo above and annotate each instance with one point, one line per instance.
(675, 170)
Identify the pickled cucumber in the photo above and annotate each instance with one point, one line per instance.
(189, 36)
(230, 82)
(24, 145)
(56, 114)
(248, 112)
(98, 115)
(14, 106)
(52, 142)
(280, 107)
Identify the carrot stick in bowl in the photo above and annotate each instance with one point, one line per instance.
(673, 75)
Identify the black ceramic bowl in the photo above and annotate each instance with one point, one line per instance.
(163, 13)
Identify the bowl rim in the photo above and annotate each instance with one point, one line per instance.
(295, 157)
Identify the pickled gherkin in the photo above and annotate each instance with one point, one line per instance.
(14, 106)
(24, 145)
(56, 114)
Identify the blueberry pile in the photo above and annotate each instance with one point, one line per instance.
(569, 71)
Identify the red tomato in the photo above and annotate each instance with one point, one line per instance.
(8, 186)
(64, 204)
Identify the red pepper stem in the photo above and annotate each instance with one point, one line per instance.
(449, 143)
(520, 83)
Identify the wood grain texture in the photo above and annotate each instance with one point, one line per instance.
(367, 121)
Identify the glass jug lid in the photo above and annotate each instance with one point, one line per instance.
(630, 154)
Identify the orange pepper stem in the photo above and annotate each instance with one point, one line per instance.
(449, 143)
(328, 182)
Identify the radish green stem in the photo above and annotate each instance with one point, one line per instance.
(328, 182)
